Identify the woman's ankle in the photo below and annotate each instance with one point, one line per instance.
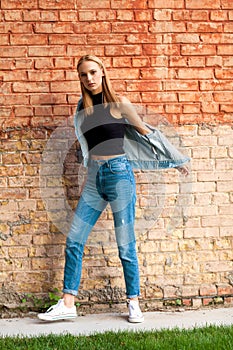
(68, 300)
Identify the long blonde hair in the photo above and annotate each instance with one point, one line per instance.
(109, 95)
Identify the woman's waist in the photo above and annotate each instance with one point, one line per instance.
(105, 157)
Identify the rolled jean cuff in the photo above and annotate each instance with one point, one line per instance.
(70, 291)
(133, 296)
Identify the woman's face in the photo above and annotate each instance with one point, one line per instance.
(90, 74)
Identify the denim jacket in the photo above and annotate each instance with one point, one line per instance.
(148, 152)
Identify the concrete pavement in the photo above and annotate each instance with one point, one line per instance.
(99, 323)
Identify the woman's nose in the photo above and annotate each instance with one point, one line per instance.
(88, 76)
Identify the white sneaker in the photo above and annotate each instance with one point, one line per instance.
(135, 314)
(58, 312)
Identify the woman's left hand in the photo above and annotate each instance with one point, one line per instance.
(184, 170)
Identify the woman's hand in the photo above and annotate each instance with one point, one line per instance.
(184, 170)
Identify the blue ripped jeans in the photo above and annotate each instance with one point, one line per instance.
(108, 181)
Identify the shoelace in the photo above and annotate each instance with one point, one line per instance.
(53, 307)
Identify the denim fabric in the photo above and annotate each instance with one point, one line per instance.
(109, 181)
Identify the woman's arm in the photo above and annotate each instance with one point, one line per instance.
(129, 112)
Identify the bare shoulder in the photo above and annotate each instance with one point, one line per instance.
(123, 99)
(125, 104)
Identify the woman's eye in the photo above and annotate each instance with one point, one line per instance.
(93, 72)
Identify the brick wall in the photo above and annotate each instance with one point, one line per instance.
(174, 58)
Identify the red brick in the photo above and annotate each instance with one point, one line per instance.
(13, 99)
(195, 73)
(173, 108)
(121, 62)
(217, 38)
(13, 15)
(226, 96)
(199, 15)
(87, 15)
(143, 86)
(218, 15)
(23, 111)
(14, 51)
(54, 4)
(191, 108)
(24, 63)
(230, 15)
(166, 4)
(106, 39)
(159, 61)
(126, 50)
(196, 4)
(214, 61)
(43, 51)
(203, 27)
(15, 4)
(198, 50)
(44, 63)
(167, 27)
(178, 61)
(141, 15)
(78, 51)
(73, 39)
(68, 16)
(15, 27)
(195, 96)
(54, 28)
(227, 4)
(144, 38)
(181, 15)
(162, 15)
(129, 4)
(228, 108)
(216, 85)
(93, 27)
(86, 4)
(159, 50)
(157, 73)
(47, 99)
(178, 85)
(106, 15)
(224, 73)
(49, 75)
(4, 39)
(207, 301)
(28, 39)
(159, 97)
(125, 15)
(126, 73)
(194, 61)
(30, 87)
(64, 86)
(181, 38)
(225, 50)
(119, 27)
(65, 62)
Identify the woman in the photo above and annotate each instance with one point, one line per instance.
(100, 127)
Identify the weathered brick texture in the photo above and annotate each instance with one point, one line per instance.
(174, 58)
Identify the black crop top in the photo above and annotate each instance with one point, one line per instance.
(104, 133)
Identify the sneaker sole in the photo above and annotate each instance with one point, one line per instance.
(136, 320)
(57, 318)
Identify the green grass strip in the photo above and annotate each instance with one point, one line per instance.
(207, 338)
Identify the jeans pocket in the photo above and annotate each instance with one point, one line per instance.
(118, 167)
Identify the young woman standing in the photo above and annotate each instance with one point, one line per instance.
(100, 128)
